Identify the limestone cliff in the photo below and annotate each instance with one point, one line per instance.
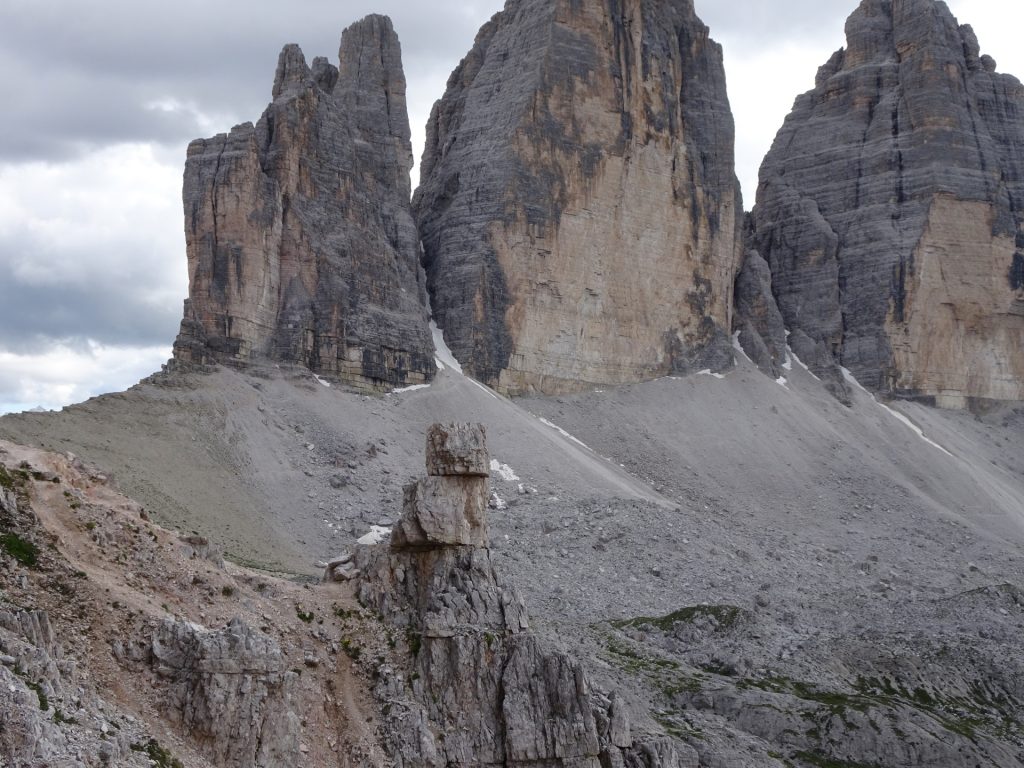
(578, 205)
(891, 211)
(301, 241)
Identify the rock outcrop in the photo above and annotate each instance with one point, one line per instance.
(301, 241)
(891, 211)
(578, 206)
(230, 690)
(485, 690)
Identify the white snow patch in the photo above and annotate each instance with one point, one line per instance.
(788, 365)
(485, 388)
(322, 381)
(708, 372)
(504, 471)
(800, 362)
(898, 416)
(782, 381)
(442, 355)
(376, 535)
(739, 347)
(563, 433)
(413, 388)
(497, 502)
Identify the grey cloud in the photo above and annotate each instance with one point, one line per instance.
(109, 306)
(760, 23)
(80, 75)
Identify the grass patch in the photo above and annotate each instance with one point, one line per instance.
(25, 552)
(306, 616)
(724, 617)
(7, 480)
(44, 703)
(161, 757)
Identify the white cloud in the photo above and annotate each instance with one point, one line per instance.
(62, 375)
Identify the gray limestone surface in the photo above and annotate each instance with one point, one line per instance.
(891, 211)
(301, 241)
(578, 203)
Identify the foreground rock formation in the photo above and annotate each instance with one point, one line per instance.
(891, 211)
(578, 205)
(301, 241)
(123, 644)
(485, 690)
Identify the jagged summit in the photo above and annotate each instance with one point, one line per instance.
(578, 204)
(891, 211)
(301, 242)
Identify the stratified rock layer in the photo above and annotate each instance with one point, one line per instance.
(891, 211)
(578, 205)
(301, 241)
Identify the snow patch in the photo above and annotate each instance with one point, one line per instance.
(485, 388)
(792, 356)
(376, 535)
(497, 502)
(504, 471)
(442, 354)
(782, 381)
(708, 372)
(322, 381)
(896, 414)
(413, 388)
(563, 433)
(788, 365)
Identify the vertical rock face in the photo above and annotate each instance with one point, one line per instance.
(891, 211)
(301, 241)
(578, 205)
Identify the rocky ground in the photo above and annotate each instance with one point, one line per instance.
(760, 571)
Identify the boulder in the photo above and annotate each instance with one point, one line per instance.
(457, 449)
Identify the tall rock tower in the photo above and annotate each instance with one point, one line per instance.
(301, 241)
(891, 211)
(578, 205)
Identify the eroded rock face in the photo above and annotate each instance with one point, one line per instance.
(891, 211)
(578, 205)
(230, 690)
(301, 242)
(486, 691)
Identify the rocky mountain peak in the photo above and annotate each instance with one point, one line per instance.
(301, 243)
(891, 211)
(578, 204)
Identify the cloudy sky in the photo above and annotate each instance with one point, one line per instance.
(101, 98)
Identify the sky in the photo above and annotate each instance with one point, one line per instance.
(102, 97)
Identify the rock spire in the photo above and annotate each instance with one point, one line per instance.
(301, 241)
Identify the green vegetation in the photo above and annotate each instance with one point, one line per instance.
(353, 650)
(60, 719)
(44, 703)
(724, 617)
(7, 480)
(160, 756)
(306, 616)
(415, 641)
(666, 675)
(25, 552)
